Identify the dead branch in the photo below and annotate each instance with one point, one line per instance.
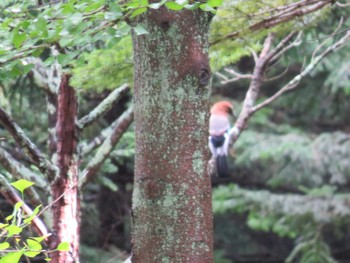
(237, 76)
(117, 130)
(103, 107)
(292, 84)
(30, 149)
(248, 105)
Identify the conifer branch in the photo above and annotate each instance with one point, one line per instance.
(30, 149)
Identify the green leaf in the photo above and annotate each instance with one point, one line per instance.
(215, 3)
(31, 254)
(12, 257)
(41, 24)
(140, 30)
(173, 6)
(8, 218)
(2, 225)
(63, 246)
(115, 8)
(18, 205)
(4, 245)
(18, 39)
(33, 244)
(138, 12)
(39, 239)
(207, 8)
(22, 184)
(13, 230)
(31, 217)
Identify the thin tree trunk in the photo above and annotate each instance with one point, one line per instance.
(172, 215)
(66, 211)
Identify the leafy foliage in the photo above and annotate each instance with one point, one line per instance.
(294, 216)
(15, 239)
(105, 68)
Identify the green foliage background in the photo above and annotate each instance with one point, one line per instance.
(291, 162)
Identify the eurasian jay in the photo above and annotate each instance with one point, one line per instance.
(219, 124)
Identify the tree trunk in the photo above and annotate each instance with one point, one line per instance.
(66, 210)
(172, 215)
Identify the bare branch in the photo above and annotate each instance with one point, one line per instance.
(103, 107)
(221, 76)
(30, 149)
(237, 77)
(12, 197)
(254, 88)
(294, 82)
(253, 91)
(118, 128)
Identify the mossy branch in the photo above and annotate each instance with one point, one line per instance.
(19, 171)
(117, 130)
(103, 107)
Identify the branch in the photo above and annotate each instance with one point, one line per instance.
(237, 77)
(248, 109)
(30, 149)
(295, 81)
(103, 107)
(323, 209)
(19, 171)
(287, 14)
(12, 197)
(262, 61)
(48, 78)
(25, 52)
(117, 129)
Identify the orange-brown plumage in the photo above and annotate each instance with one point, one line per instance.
(222, 108)
(219, 124)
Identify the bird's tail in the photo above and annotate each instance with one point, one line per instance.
(221, 165)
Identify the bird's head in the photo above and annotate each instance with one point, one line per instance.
(222, 108)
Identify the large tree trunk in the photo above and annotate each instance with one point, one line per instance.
(66, 210)
(172, 215)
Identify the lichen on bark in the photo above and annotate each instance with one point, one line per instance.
(172, 220)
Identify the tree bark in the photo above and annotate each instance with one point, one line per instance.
(172, 213)
(66, 211)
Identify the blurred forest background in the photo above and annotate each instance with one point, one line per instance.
(286, 199)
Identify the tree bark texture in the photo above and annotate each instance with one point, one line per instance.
(171, 212)
(66, 211)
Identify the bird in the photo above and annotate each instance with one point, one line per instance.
(219, 125)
